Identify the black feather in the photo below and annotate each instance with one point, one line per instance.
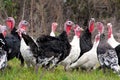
(2, 40)
(57, 47)
(14, 33)
(13, 42)
(30, 42)
(3, 60)
(106, 54)
(47, 47)
(117, 49)
(85, 42)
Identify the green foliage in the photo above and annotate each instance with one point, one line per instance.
(11, 7)
(82, 10)
(43, 12)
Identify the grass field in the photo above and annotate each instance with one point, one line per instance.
(23, 73)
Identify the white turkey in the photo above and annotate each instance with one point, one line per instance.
(75, 48)
(89, 59)
(111, 41)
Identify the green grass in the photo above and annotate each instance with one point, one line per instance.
(23, 73)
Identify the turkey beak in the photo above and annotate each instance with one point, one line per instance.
(81, 29)
(17, 30)
(56, 24)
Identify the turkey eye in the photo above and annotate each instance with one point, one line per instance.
(69, 22)
(25, 22)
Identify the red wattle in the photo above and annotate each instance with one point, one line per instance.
(97, 38)
(77, 33)
(91, 28)
(109, 32)
(23, 27)
(9, 24)
(68, 28)
(100, 27)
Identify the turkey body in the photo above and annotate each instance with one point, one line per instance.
(13, 41)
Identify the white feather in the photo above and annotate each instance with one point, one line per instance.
(88, 60)
(52, 34)
(3, 61)
(111, 41)
(27, 54)
(74, 53)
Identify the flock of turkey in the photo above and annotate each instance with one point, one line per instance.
(48, 51)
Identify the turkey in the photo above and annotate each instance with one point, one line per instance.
(3, 53)
(54, 49)
(13, 41)
(24, 48)
(53, 29)
(10, 22)
(105, 53)
(75, 48)
(89, 59)
(3, 30)
(111, 41)
(86, 39)
(50, 50)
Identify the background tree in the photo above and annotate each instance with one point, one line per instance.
(41, 13)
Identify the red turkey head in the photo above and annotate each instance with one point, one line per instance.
(97, 37)
(91, 25)
(109, 25)
(68, 26)
(100, 27)
(78, 30)
(3, 30)
(54, 26)
(22, 27)
(10, 22)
